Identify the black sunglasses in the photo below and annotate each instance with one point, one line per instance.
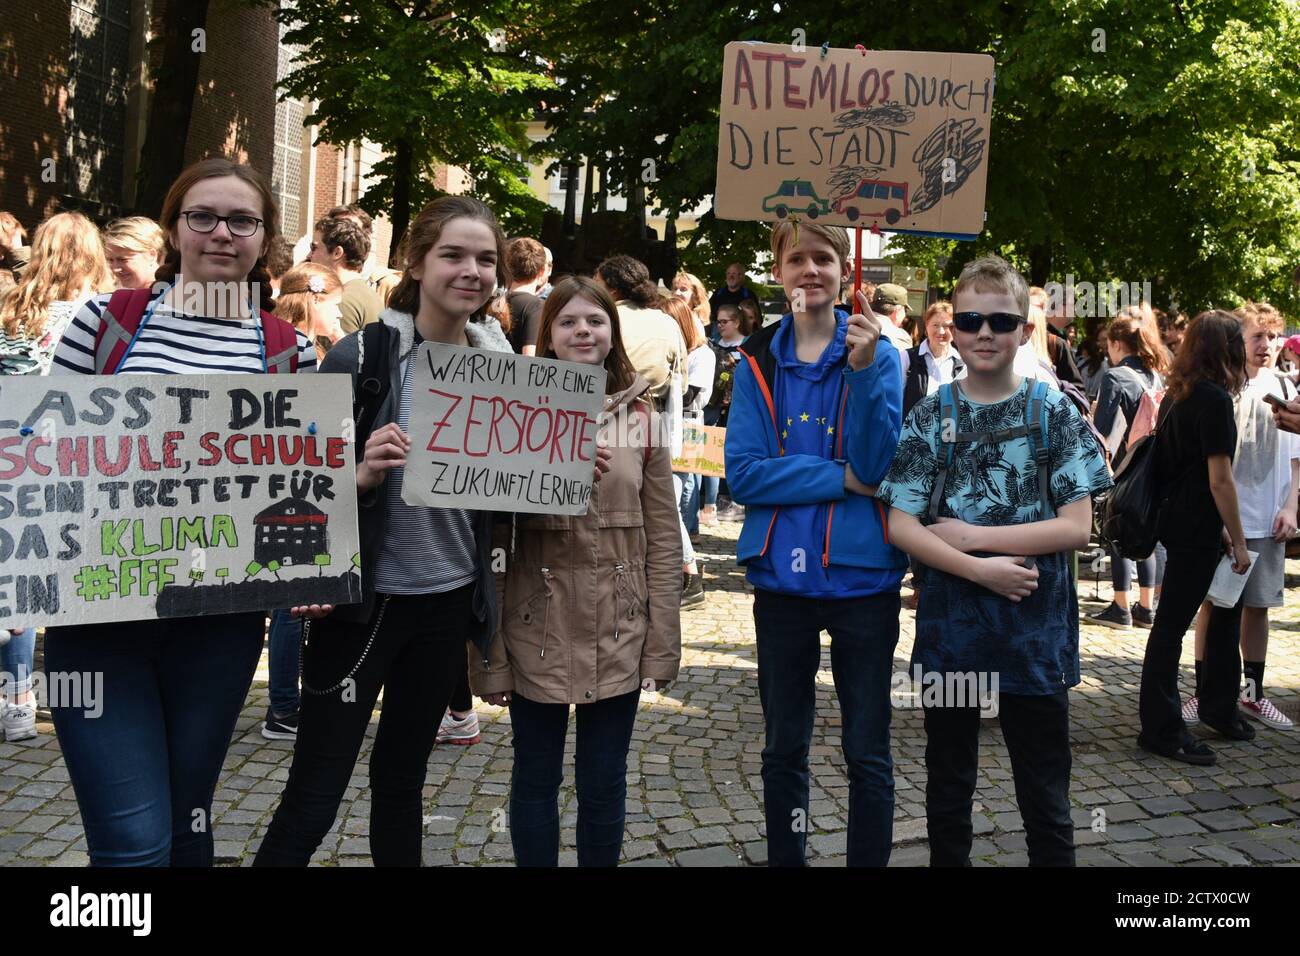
(999, 322)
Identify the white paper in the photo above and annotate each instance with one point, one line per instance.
(1227, 585)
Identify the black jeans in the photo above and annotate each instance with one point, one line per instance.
(1037, 732)
(417, 656)
(1188, 574)
(604, 734)
(864, 632)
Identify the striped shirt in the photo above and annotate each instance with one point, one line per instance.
(172, 342)
(425, 550)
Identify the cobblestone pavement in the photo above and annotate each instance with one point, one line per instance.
(694, 790)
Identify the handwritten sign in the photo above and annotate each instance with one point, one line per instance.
(501, 432)
(174, 496)
(892, 140)
(702, 450)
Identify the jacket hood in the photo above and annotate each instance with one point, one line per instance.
(482, 334)
(635, 390)
(784, 350)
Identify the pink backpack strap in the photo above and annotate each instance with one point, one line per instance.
(118, 323)
(281, 344)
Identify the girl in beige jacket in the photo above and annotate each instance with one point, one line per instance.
(591, 609)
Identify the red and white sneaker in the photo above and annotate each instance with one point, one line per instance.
(463, 731)
(1191, 711)
(1264, 711)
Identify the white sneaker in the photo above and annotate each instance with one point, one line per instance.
(1264, 711)
(19, 721)
(463, 731)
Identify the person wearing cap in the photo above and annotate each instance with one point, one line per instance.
(889, 303)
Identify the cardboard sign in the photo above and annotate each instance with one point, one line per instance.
(126, 499)
(496, 431)
(891, 140)
(702, 450)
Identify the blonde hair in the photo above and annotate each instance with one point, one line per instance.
(67, 263)
(137, 234)
(993, 274)
(699, 295)
(785, 233)
(1038, 336)
(297, 301)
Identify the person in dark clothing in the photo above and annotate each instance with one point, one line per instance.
(1137, 362)
(935, 361)
(733, 293)
(1199, 514)
(526, 265)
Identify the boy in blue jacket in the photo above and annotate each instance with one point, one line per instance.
(991, 490)
(816, 411)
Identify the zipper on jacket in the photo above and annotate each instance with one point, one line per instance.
(619, 583)
(547, 577)
(839, 446)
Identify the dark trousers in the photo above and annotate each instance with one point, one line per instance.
(864, 632)
(604, 733)
(417, 656)
(1037, 732)
(1188, 574)
(144, 762)
(461, 699)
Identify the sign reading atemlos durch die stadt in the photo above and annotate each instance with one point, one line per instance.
(894, 140)
(174, 496)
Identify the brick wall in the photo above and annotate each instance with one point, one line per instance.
(33, 75)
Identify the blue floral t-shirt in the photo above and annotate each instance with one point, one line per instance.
(1033, 645)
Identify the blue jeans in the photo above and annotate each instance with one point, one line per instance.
(688, 550)
(16, 659)
(604, 734)
(688, 502)
(709, 490)
(1121, 578)
(864, 632)
(283, 658)
(145, 768)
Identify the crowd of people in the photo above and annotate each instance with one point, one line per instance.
(968, 445)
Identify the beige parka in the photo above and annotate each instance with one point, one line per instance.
(592, 603)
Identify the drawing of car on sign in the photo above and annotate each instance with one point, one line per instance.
(796, 195)
(890, 199)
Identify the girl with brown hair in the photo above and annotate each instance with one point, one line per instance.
(144, 769)
(427, 585)
(309, 301)
(590, 614)
(1199, 519)
(1137, 361)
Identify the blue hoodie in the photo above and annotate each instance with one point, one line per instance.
(791, 428)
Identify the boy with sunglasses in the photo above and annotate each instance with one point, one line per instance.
(991, 489)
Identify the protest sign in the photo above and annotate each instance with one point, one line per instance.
(702, 450)
(497, 431)
(890, 139)
(174, 496)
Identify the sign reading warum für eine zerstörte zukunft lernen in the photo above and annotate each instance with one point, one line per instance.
(174, 496)
(501, 432)
(893, 139)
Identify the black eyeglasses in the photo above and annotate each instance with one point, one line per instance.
(242, 226)
(999, 322)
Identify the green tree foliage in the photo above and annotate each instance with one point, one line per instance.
(1141, 142)
(423, 81)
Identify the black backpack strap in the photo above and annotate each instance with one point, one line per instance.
(1036, 429)
(948, 438)
(373, 380)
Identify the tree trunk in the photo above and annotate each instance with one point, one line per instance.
(172, 102)
(570, 198)
(1040, 263)
(589, 184)
(401, 200)
(636, 205)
